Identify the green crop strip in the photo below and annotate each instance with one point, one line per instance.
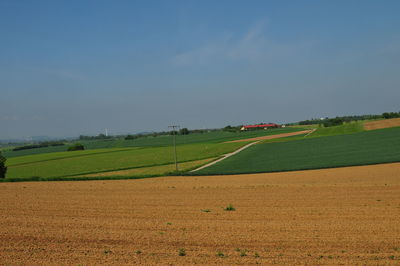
(370, 147)
(113, 160)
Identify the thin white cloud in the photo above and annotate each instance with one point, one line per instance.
(251, 46)
(202, 54)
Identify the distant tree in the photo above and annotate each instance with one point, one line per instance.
(100, 136)
(390, 115)
(333, 122)
(76, 147)
(3, 167)
(184, 131)
(230, 128)
(131, 137)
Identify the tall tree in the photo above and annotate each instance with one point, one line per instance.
(184, 131)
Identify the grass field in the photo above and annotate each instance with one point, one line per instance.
(346, 128)
(42, 157)
(208, 137)
(7, 152)
(151, 170)
(341, 216)
(320, 131)
(379, 146)
(93, 161)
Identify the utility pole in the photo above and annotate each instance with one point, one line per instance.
(174, 129)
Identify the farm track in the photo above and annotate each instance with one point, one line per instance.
(283, 135)
(334, 216)
(225, 156)
(386, 123)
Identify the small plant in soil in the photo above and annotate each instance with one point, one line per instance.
(220, 254)
(138, 252)
(230, 208)
(182, 252)
(206, 210)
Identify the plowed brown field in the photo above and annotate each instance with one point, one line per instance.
(334, 216)
(283, 135)
(386, 123)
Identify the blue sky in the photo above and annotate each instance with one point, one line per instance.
(78, 67)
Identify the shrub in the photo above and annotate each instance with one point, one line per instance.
(3, 167)
(76, 147)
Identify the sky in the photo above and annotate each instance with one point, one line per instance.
(78, 67)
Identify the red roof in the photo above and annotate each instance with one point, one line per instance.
(263, 125)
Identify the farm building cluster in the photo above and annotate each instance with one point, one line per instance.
(261, 126)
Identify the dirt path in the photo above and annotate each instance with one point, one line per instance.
(273, 136)
(386, 123)
(225, 156)
(342, 216)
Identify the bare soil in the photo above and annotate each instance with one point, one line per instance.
(386, 123)
(273, 136)
(348, 216)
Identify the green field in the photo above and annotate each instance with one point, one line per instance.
(346, 128)
(321, 131)
(20, 160)
(336, 146)
(166, 140)
(84, 162)
(369, 147)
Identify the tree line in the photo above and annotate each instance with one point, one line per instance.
(339, 120)
(39, 145)
(182, 131)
